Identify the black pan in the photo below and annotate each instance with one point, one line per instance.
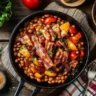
(20, 72)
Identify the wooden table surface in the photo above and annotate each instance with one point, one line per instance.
(19, 11)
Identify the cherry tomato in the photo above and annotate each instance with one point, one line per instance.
(75, 38)
(49, 20)
(82, 53)
(72, 30)
(31, 3)
(78, 35)
(73, 55)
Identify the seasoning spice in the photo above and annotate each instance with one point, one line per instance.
(2, 80)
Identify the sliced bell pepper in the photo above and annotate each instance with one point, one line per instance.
(49, 20)
(38, 75)
(50, 73)
(71, 45)
(65, 27)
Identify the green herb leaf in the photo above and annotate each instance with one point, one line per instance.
(22, 47)
(55, 36)
(50, 53)
(51, 70)
(34, 59)
(5, 11)
(40, 32)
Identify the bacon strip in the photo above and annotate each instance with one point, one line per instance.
(61, 57)
(73, 63)
(46, 34)
(41, 52)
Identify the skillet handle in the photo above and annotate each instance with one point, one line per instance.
(21, 83)
(35, 91)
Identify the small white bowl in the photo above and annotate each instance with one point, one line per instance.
(73, 4)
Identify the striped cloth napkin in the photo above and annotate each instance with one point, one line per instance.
(78, 86)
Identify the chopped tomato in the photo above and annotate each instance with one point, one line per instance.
(49, 20)
(73, 55)
(82, 53)
(79, 35)
(72, 30)
(75, 38)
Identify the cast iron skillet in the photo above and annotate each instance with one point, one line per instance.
(20, 72)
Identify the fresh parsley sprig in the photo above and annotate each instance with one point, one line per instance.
(5, 11)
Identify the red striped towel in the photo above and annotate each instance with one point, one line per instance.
(78, 86)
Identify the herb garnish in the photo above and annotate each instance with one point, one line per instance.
(34, 59)
(50, 53)
(55, 36)
(22, 47)
(40, 32)
(51, 70)
(5, 11)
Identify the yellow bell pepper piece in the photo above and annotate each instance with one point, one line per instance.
(36, 62)
(71, 45)
(38, 75)
(65, 27)
(49, 73)
(24, 52)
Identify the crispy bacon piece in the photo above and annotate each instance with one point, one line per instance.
(73, 63)
(61, 57)
(52, 34)
(49, 45)
(46, 34)
(41, 52)
(59, 44)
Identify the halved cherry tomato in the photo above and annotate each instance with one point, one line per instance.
(79, 35)
(82, 53)
(72, 30)
(73, 55)
(75, 38)
(49, 20)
